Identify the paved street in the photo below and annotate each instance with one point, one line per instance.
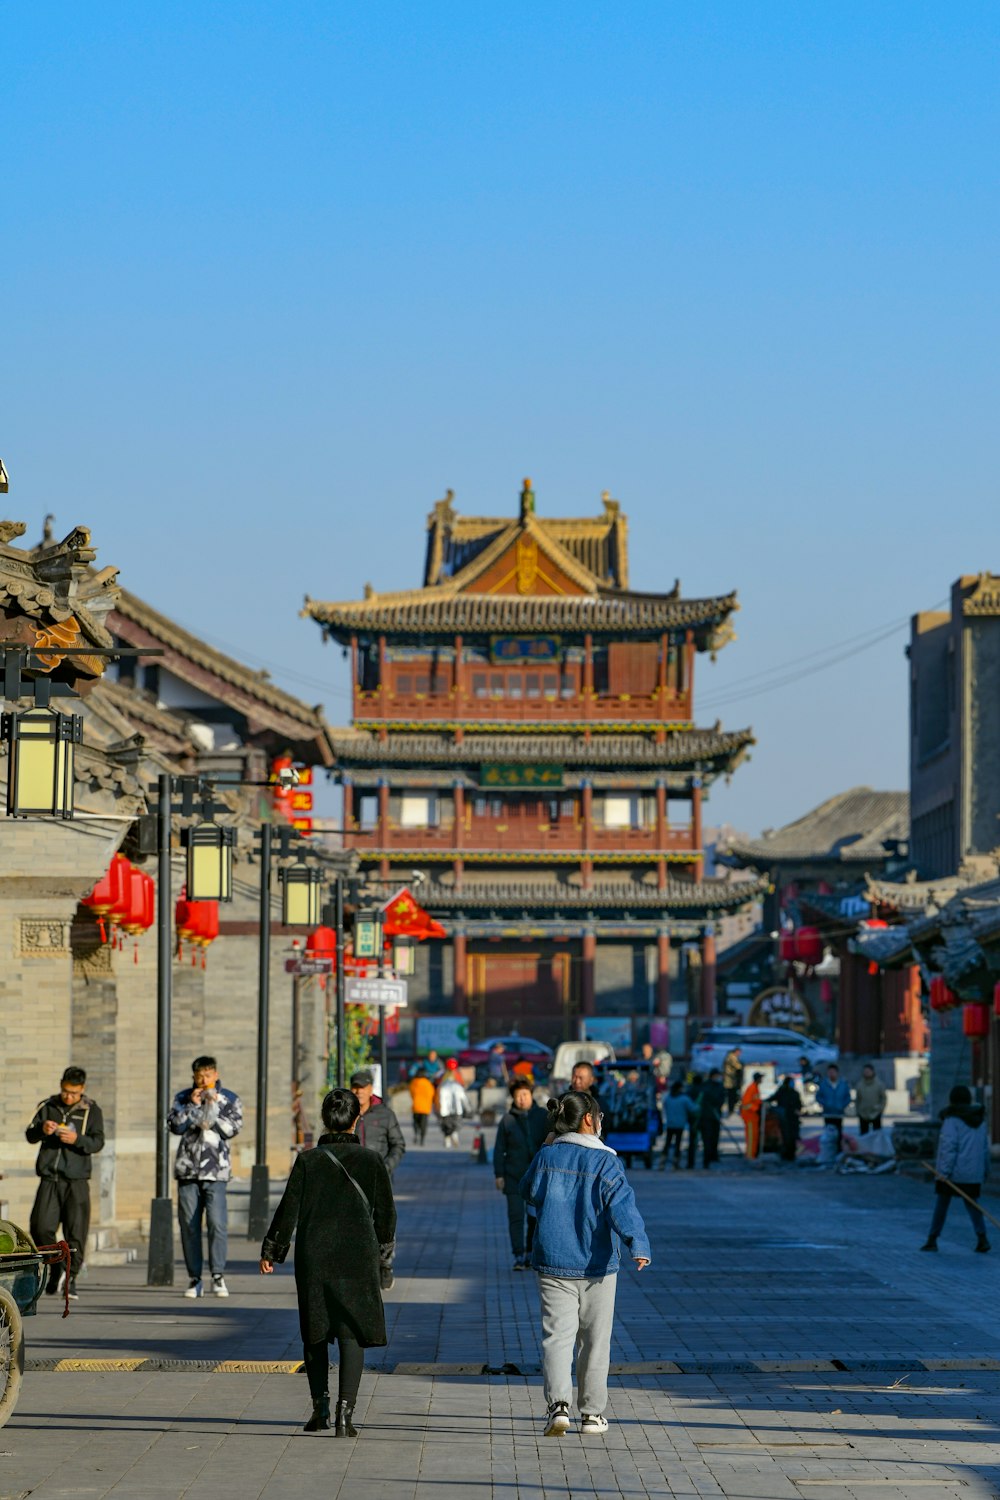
(788, 1341)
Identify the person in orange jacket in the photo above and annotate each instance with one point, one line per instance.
(750, 1111)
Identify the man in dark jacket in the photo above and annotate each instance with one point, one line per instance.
(378, 1130)
(521, 1132)
(713, 1097)
(68, 1128)
(788, 1102)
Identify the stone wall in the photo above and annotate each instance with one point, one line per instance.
(98, 1010)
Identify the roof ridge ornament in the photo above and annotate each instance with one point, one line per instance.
(527, 500)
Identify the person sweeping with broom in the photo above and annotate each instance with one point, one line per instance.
(962, 1166)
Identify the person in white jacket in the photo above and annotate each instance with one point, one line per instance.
(453, 1103)
(963, 1161)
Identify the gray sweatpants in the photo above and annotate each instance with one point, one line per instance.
(577, 1315)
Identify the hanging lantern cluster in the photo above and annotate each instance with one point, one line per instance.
(943, 997)
(976, 1021)
(197, 923)
(123, 900)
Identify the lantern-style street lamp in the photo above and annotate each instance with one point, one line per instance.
(301, 894)
(40, 777)
(368, 932)
(404, 955)
(209, 861)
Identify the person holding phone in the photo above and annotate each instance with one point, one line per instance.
(206, 1117)
(585, 1211)
(68, 1129)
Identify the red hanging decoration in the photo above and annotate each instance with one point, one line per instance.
(976, 1021)
(996, 999)
(109, 896)
(942, 996)
(809, 946)
(786, 947)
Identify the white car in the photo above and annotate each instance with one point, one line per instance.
(761, 1044)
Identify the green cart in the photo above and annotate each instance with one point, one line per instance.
(23, 1271)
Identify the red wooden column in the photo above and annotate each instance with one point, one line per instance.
(661, 833)
(355, 685)
(916, 1026)
(382, 672)
(663, 974)
(461, 965)
(696, 826)
(458, 835)
(708, 976)
(689, 670)
(586, 864)
(587, 984)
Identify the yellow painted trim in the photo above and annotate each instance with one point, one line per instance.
(257, 1367)
(98, 1366)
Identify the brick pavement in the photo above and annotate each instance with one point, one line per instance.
(788, 1341)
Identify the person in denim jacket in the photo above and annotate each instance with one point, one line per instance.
(585, 1209)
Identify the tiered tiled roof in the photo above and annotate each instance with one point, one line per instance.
(442, 612)
(708, 748)
(852, 828)
(599, 544)
(617, 896)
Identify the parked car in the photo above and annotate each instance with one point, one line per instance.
(516, 1049)
(761, 1044)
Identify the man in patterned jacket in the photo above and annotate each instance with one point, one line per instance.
(206, 1117)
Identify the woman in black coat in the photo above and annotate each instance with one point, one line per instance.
(338, 1203)
(521, 1132)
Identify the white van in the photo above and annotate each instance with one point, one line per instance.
(568, 1054)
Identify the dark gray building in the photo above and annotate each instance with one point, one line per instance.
(955, 728)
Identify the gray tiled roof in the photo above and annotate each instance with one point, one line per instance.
(852, 828)
(681, 748)
(618, 896)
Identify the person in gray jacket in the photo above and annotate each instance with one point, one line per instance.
(963, 1161)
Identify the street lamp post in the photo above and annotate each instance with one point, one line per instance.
(160, 1265)
(302, 913)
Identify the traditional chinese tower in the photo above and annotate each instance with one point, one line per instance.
(523, 731)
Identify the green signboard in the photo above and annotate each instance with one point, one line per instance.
(520, 776)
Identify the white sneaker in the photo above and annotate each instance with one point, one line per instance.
(557, 1419)
(593, 1424)
(219, 1287)
(194, 1287)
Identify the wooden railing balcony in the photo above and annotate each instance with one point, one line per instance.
(485, 835)
(600, 708)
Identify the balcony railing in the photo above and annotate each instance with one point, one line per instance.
(549, 709)
(484, 835)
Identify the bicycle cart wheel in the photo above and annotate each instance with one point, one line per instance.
(11, 1355)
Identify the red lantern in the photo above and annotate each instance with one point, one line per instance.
(207, 929)
(942, 997)
(138, 914)
(786, 947)
(809, 946)
(976, 1021)
(322, 943)
(110, 895)
(873, 922)
(996, 998)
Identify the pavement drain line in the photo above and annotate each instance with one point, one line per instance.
(147, 1366)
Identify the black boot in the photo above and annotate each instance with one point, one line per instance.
(320, 1419)
(982, 1243)
(345, 1425)
(931, 1244)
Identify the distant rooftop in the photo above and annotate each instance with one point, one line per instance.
(855, 827)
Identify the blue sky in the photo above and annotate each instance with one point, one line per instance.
(275, 276)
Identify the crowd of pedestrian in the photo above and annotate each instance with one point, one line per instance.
(569, 1206)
